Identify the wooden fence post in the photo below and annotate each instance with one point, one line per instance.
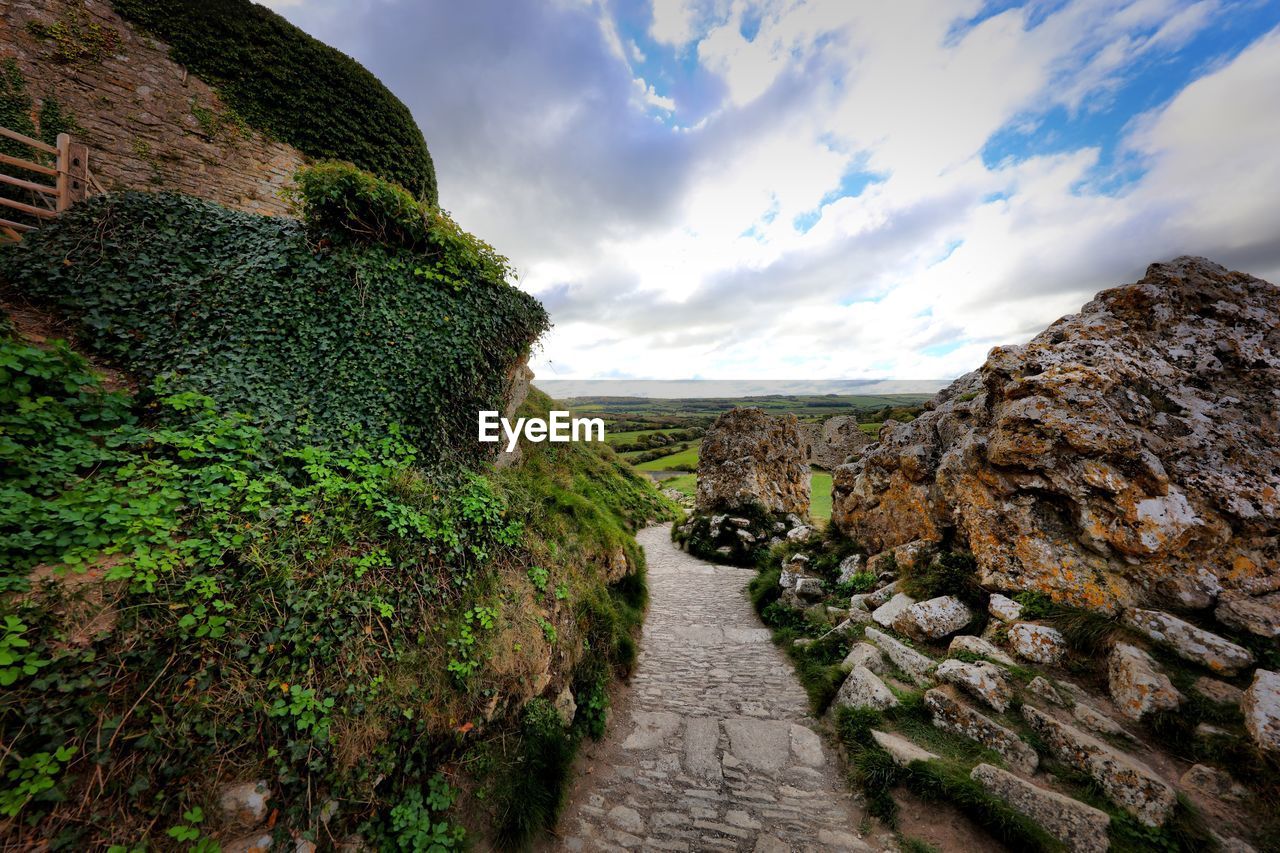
(62, 181)
(77, 172)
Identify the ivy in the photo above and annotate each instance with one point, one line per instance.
(291, 86)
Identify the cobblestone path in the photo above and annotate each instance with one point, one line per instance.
(713, 748)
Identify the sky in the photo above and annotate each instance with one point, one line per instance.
(832, 189)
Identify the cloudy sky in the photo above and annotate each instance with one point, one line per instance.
(773, 189)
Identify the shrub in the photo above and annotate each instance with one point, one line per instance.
(949, 573)
(534, 788)
(291, 86)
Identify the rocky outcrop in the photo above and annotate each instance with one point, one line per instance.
(951, 714)
(1138, 687)
(984, 681)
(1261, 708)
(913, 664)
(1127, 453)
(1082, 828)
(831, 443)
(864, 689)
(1189, 642)
(1038, 643)
(751, 459)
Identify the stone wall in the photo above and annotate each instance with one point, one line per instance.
(830, 443)
(148, 123)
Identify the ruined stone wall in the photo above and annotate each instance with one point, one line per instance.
(148, 123)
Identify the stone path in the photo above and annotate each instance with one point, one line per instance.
(714, 748)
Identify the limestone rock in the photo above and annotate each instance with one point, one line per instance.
(984, 681)
(914, 665)
(858, 601)
(1041, 687)
(566, 706)
(864, 689)
(800, 534)
(1137, 685)
(1004, 609)
(830, 444)
(1218, 692)
(1127, 451)
(1038, 643)
(1096, 721)
(1261, 708)
(903, 751)
(244, 804)
(1127, 782)
(1214, 783)
(888, 613)
(867, 655)
(953, 715)
(1260, 615)
(881, 596)
(980, 647)
(849, 567)
(934, 618)
(1188, 641)
(749, 458)
(1082, 828)
(809, 589)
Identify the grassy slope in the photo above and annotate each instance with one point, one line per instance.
(820, 496)
(667, 463)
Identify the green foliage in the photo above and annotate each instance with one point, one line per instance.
(539, 577)
(534, 791)
(863, 581)
(937, 781)
(315, 344)
(291, 86)
(30, 776)
(16, 659)
(593, 701)
(763, 588)
(1035, 604)
(949, 573)
(75, 37)
(415, 822)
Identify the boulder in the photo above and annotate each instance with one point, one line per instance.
(749, 458)
(864, 689)
(902, 750)
(566, 706)
(800, 534)
(887, 614)
(935, 618)
(1081, 828)
(858, 601)
(1096, 721)
(809, 589)
(914, 665)
(1254, 615)
(849, 567)
(1127, 782)
(1127, 452)
(1004, 609)
(1038, 643)
(1214, 783)
(881, 596)
(867, 655)
(980, 647)
(1218, 692)
(984, 681)
(1188, 641)
(1261, 707)
(951, 714)
(1041, 687)
(1137, 685)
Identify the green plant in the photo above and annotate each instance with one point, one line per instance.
(863, 581)
(414, 822)
(531, 797)
(32, 775)
(949, 573)
(1035, 604)
(291, 86)
(539, 577)
(76, 38)
(16, 659)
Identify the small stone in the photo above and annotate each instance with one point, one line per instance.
(977, 646)
(799, 534)
(913, 664)
(902, 750)
(244, 804)
(1261, 707)
(566, 706)
(1094, 720)
(1038, 643)
(1137, 685)
(787, 578)
(738, 521)
(887, 613)
(626, 819)
(950, 714)
(1004, 609)
(258, 842)
(858, 601)
(1127, 782)
(864, 689)
(1218, 692)
(1214, 783)
(1259, 615)
(802, 642)
(1041, 687)
(985, 681)
(1081, 827)
(809, 589)
(881, 596)
(798, 563)
(934, 618)
(865, 654)
(849, 567)
(1188, 641)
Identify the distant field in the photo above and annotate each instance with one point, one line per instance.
(687, 483)
(667, 463)
(820, 496)
(870, 429)
(823, 405)
(632, 435)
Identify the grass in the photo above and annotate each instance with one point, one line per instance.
(687, 483)
(820, 496)
(630, 436)
(673, 462)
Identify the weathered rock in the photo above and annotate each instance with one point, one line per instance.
(867, 655)
(1188, 641)
(849, 567)
(809, 589)
(934, 618)
(888, 613)
(902, 750)
(798, 563)
(800, 534)
(830, 444)
(1041, 687)
(953, 715)
(255, 842)
(881, 596)
(864, 689)
(1127, 451)
(984, 681)
(1127, 782)
(1080, 827)
(1038, 643)
(1217, 691)
(566, 706)
(1004, 609)
(1096, 721)
(914, 665)
(1255, 615)
(749, 458)
(1214, 783)
(858, 601)
(978, 646)
(244, 804)
(1261, 707)
(1137, 685)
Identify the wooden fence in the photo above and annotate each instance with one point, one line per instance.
(66, 167)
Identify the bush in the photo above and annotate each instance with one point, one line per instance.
(291, 86)
(949, 573)
(534, 788)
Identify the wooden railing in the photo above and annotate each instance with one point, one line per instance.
(65, 164)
